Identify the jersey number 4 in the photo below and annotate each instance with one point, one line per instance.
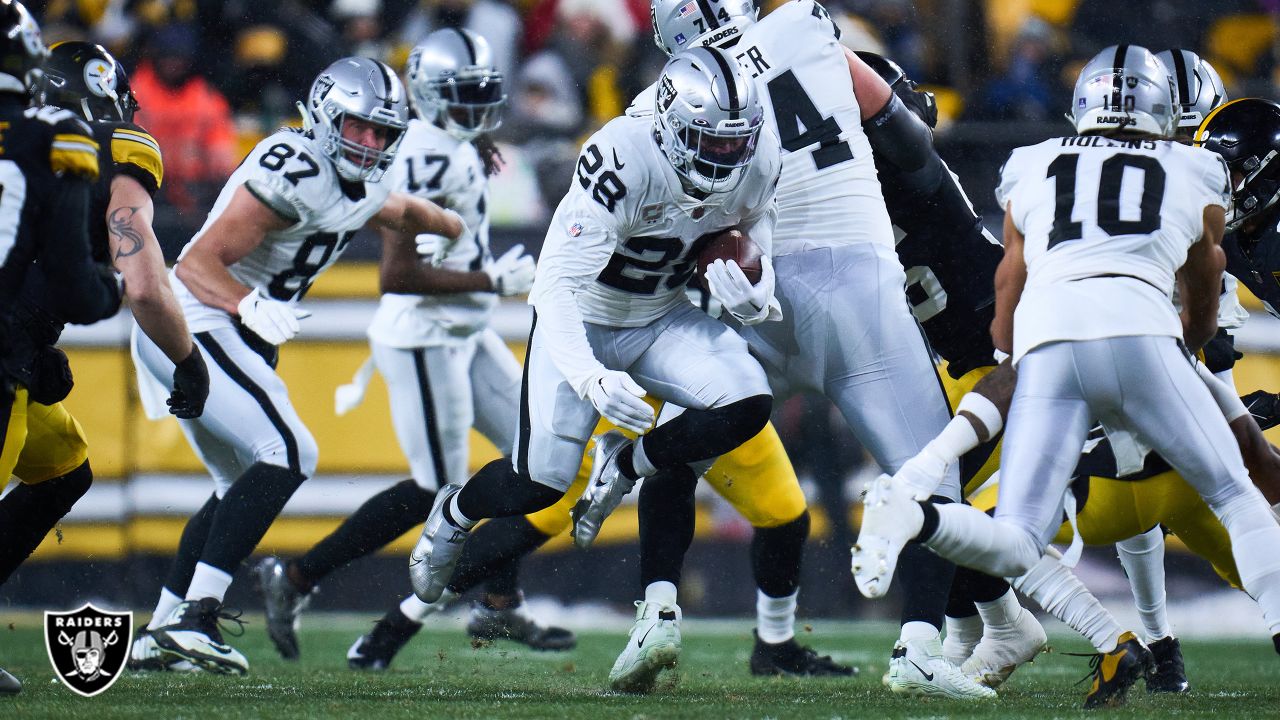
(1063, 171)
(793, 109)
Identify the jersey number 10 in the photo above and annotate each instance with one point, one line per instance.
(1063, 171)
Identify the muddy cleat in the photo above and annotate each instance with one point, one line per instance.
(516, 624)
(653, 646)
(605, 489)
(376, 649)
(890, 518)
(1115, 672)
(191, 633)
(145, 655)
(917, 668)
(792, 658)
(1170, 675)
(1003, 649)
(432, 560)
(9, 685)
(283, 604)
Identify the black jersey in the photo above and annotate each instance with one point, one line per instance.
(1254, 260)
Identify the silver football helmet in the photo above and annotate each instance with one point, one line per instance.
(707, 118)
(454, 83)
(1125, 87)
(1200, 89)
(681, 24)
(362, 89)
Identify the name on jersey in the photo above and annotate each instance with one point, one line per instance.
(1099, 141)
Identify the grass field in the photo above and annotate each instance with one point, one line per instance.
(440, 675)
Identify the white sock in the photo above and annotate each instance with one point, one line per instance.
(981, 407)
(1143, 559)
(660, 593)
(640, 461)
(1254, 539)
(1052, 585)
(967, 536)
(1004, 611)
(168, 601)
(208, 581)
(463, 521)
(417, 611)
(917, 631)
(775, 617)
(963, 635)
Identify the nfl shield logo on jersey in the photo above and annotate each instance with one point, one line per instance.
(88, 647)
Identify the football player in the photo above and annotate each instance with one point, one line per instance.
(284, 216)
(445, 368)
(1096, 264)
(612, 322)
(48, 160)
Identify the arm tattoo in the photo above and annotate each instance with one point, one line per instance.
(120, 226)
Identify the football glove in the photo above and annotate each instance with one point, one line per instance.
(190, 387)
(749, 304)
(270, 319)
(511, 274)
(620, 400)
(435, 248)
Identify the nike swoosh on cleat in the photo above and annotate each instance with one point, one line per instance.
(640, 642)
(927, 675)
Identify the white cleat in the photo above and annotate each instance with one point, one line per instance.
(437, 551)
(605, 489)
(890, 518)
(1004, 648)
(191, 633)
(653, 646)
(918, 668)
(923, 474)
(146, 655)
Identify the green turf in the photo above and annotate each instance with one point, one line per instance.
(440, 675)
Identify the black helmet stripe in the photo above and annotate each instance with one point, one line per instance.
(709, 14)
(1117, 77)
(466, 40)
(1182, 77)
(730, 81)
(388, 88)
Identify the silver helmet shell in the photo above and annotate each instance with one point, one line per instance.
(707, 118)
(1125, 87)
(454, 83)
(682, 24)
(1199, 87)
(367, 90)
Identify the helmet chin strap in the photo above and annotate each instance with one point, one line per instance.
(308, 125)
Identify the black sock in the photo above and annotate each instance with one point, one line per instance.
(497, 490)
(703, 434)
(777, 554)
(930, 524)
(250, 506)
(29, 512)
(667, 518)
(625, 464)
(926, 582)
(381, 519)
(190, 547)
(971, 586)
(493, 546)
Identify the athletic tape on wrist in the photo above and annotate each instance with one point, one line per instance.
(983, 409)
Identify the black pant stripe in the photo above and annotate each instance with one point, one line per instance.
(7, 399)
(241, 378)
(429, 413)
(521, 461)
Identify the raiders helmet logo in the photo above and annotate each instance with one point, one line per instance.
(88, 647)
(666, 94)
(321, 89)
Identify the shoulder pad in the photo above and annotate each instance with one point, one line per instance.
(136, 152)
(72, 149)
(271, 196)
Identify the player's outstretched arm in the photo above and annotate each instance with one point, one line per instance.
(412, 216)
(402, 270)
(1011, 277)
(872, 91)
(1200, 281)
(236, 232)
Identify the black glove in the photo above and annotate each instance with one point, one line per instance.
(190, 387)
(51, 380)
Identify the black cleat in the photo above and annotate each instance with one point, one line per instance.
(191, 633)
(514, 623)
(1170, 675)
(282, 603)
(9, 685)
(376, 649)
(1117, 671)
(792, 658)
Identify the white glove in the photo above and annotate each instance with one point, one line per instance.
(620, 400)
(348, 397)
(749, 304)
(511, 274)
(273, 320)
(437, 247)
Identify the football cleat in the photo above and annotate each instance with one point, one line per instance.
(1115, 672)
(1170, 675)
(918, 668)
(516, 624)
(605, 488)
(191, 633)
(377, 648)
(145, 655)
(792, 658)
(652, 646)
(9, 685)
(1004, 648)
(432, 560)
(890, 518)
(923, 474)
(283, 604)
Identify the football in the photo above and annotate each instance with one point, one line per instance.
(730, 244)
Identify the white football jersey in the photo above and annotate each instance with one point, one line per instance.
(829, 194)
(1107, 224)
(288, 168)
(434, 165)
(626, 235)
